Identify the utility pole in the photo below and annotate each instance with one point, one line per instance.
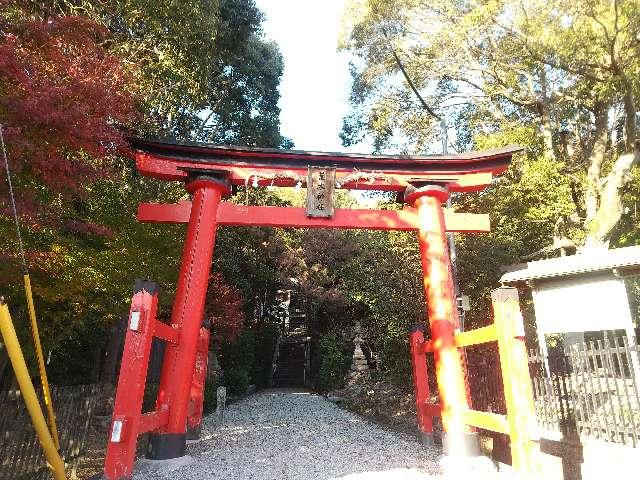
(451, 239)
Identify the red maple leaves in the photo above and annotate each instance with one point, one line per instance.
(63, 100)
(223, 307)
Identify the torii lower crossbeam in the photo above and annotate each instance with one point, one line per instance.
(230, 214)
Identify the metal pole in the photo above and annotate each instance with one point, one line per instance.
(13, 200)
(451, 238)
(28, 393)
(32, 311)
(48, 403)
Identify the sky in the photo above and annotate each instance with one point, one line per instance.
(315, 88)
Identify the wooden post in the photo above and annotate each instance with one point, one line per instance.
(421, 383)
(176, 378)
(127, 410)
(521, 415)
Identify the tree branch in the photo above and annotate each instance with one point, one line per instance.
(407, 78)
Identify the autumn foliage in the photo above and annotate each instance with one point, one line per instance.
(223, 308)
(63, 101)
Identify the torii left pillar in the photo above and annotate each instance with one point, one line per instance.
(179, 360)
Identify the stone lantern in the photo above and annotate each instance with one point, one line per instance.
(359, 362)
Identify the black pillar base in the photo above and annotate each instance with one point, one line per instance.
(163, 446)
(194, 433)
(461, 444)
(426, 439)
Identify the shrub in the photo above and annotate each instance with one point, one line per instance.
(334, 360)
(237, 361)
(395, 359)
(237, 380)
(211, 393)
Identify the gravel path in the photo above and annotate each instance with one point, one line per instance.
(297, 435)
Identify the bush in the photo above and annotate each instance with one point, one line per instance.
(237, 361)
(237, 380)
(396, 360)
(334, 360)
(211, 393)
(266, 338)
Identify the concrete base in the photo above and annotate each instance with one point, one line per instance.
(194, 433)
(461, 445)
(146, 466)
(164, 446)
(427, 439)
(463, 467)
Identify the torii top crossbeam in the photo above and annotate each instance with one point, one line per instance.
(462, 172)
(260, 167)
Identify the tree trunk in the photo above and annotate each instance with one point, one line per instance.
(596, 158)
(610, 209)
(545, 119)
(609, 212)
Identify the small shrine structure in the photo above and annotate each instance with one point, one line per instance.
(581, 293)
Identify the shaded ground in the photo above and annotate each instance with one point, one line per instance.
(281, 434)
(382, 402)
(92, 460)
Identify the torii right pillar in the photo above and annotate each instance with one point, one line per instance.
(458, 439)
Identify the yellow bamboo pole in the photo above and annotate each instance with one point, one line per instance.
(28, 393)
(48, 403)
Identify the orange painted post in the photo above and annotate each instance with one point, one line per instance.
(521, 415)
(458, 438)
(421, 383)
(196, 400)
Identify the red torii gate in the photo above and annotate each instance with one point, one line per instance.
(208, 172)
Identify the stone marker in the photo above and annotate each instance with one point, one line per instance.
(359, 365)
(220, 404)
(358, 361)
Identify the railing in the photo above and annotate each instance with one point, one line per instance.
(590, 390)
(519, 421)
(21, 455)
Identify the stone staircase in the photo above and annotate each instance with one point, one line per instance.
(291, 362)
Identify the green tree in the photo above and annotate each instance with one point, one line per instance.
(567, 71)
(203, 68)
(186, 60)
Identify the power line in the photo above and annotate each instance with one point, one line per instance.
(13, 200)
